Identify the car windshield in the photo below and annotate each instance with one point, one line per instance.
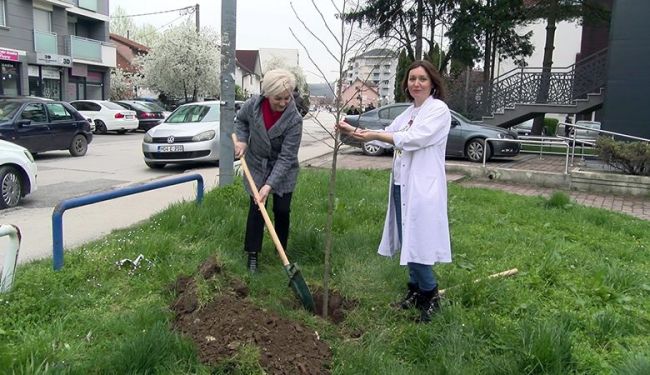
(194, 113)
(8, 109)
(111, 105)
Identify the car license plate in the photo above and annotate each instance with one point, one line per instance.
(128, 117)
(175, 148)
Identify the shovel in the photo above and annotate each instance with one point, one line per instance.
(296, 281)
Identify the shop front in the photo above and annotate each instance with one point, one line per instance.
(46, 75)
(10, 69)
(85, 83)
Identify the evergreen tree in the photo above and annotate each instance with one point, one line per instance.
(403, 63)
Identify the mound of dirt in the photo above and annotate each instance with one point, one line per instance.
(231, 321)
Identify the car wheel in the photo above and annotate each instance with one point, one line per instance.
(100, 127)
(474, 150)
(372, 150)
(11, 187)
(155, 165)
(78, 146)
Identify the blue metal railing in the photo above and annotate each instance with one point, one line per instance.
(57, 214)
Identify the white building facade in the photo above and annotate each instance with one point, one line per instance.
(377, 66)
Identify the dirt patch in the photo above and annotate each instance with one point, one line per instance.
(337, 306)
(221, 328)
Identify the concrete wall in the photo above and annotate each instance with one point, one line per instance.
(629, 70)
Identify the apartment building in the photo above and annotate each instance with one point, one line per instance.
(378, 68)
(57, 49)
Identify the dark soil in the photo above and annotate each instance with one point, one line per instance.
(230, 321)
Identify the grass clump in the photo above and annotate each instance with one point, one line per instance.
(580, 303)
(558, 199)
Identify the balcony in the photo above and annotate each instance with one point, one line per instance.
(91, 51)
(91, 5)
(45, 42)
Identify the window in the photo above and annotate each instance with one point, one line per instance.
(34, 112)
(42, 20)
(58, 112)
(396, 111)
(384, 114)
(10, 82)
(3, 17)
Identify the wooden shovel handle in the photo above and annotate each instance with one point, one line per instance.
(506, 273)
(265, 215)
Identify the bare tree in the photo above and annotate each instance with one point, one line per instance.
(348, 42)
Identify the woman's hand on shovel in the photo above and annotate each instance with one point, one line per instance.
(264, 193)
(240, 149)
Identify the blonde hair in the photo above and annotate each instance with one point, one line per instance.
(277, 81)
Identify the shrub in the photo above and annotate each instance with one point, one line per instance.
(550, 125)
(629, 157)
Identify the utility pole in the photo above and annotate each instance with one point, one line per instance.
(228, 43)
(196, 14)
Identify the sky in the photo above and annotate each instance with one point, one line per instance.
(260, 24)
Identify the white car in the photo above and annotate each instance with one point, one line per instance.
(189, 134)
(108, 116)
(591, 133)
(17, 174)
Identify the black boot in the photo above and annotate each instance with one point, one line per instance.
(252, 262)
(410, 299)
(428, 303)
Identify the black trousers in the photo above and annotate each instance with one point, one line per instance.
(255, 223)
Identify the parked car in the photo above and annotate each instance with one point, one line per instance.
(157, 108)
(152, 100)
(526, 128)
(107, 116)
(466, 138)
(591, 133)
(44, 125)
(17, 174)
(147, 116)
(189, 134)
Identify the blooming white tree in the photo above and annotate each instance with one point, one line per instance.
(122, 84)
(183, 64)
(277, 63)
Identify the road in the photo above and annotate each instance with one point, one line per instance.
(114, 161)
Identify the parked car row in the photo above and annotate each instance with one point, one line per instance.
(466, 138)
(120, 116)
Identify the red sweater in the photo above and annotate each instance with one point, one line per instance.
(270, 116)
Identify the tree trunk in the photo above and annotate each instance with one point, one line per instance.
(418, 30)
(547, 64)
(485, 96)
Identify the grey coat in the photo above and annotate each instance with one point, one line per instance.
(272, 156)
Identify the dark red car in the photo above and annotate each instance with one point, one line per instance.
(148, 116)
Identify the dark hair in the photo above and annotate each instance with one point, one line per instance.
(438, 89)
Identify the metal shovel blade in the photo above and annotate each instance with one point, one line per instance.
(299, 286)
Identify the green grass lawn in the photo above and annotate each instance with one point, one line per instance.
(579, 305)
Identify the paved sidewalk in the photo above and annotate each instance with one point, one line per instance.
(351, 158)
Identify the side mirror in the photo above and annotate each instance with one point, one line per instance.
(454, 123)
(24, 122)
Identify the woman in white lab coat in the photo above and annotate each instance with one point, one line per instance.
(416, 217)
